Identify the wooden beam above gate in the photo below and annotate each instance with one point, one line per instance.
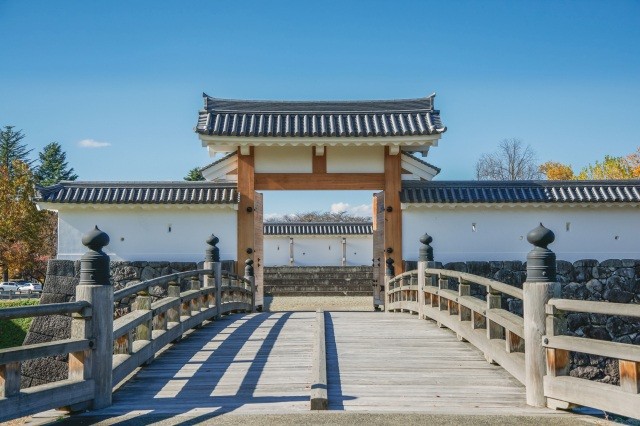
(319, 181)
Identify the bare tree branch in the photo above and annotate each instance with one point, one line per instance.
(512, 161)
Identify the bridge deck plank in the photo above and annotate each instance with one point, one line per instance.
(393, 362)
(261, 363)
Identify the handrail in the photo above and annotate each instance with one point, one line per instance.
(476, 279)
(82, 307)
(560, 387)
(138, 335)
(163, 280)
(495, 331)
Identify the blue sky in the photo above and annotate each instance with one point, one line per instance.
(563, 76)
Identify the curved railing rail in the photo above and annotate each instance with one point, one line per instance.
(13, 401)
(103, 351)
(498, 333)
(151, 325)
(559, 386)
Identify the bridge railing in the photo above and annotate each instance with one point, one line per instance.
(498, 333)
(103, 351)
(560, 387)
(533, 348)
(13, 401)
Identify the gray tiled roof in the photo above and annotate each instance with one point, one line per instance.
(318, 228)
(419, 160)
(139, 193)
(402, 117)
(605, 191)
(218, 161)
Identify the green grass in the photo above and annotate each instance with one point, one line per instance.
(12, 332)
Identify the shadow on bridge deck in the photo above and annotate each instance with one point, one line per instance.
(252, 363)
(388, 364)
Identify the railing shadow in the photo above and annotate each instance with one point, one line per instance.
(334, 384)
(204, 381)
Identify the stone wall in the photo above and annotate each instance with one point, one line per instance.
(613, 280)
(60, 286)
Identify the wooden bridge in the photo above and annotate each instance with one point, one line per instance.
(203, 351)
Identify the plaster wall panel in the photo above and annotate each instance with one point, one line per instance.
(312, 250)
(355, 159)
(500, 233)
(160, 234)
(280, 159)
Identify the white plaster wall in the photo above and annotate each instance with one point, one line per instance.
(142, 234)
(317, 250)
(597, 232)
(281, 159)
(355, 159)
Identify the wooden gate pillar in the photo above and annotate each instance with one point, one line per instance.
(392, 212)
(246, 189)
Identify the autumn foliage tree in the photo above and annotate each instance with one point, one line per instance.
(20, 220)
(609, 168)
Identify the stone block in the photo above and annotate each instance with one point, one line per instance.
(61, 268)
(148, 273)
(585, 263)
(34, 338)
(57, 326)
(45, 370)
(183, 266)
(513, 265)
(587, 372)
(456, 266)
(54, 298)
(60, 284)
(125, 272)
(563, 267)
(482, 269)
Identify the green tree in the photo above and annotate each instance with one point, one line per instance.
(12, 149)
(53, 166)
(20, 220)
(194, 175)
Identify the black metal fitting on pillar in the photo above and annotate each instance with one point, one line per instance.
(94, 264)
(425, 253)
(391, 270)
(541, 262)
(248, 268)
(212, 254)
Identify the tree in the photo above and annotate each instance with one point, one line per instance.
(633, 160)
(20, 220)
(11, 149)
(53, 166)
(512, 161)
(609, 168)
(317, 216)
(557, 171)
(194, 175)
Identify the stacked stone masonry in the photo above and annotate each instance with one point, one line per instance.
(613, 280)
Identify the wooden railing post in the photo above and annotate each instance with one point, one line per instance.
(425, 260)
(95, 288)
(212, 261)
(249, 275)
(389, 273)
(537, 290)
(173, 314)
